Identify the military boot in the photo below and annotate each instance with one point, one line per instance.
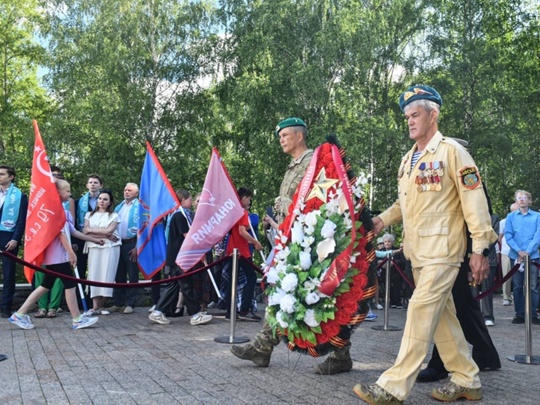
(249, 352)
(338, 361)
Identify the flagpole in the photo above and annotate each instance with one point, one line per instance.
(257, 239)
(204, 260)
(83, 299)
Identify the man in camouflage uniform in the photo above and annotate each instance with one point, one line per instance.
(292, 134)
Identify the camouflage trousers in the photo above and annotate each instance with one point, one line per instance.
(265, 341)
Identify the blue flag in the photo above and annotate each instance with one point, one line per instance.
(157, 199)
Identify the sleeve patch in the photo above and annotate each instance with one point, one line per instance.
(470, 178)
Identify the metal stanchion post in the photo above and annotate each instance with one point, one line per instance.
(528, 358)
(234, 279)
(385, 326)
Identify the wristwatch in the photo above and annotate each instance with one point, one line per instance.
(484, 252)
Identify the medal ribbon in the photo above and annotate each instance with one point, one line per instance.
(340, 265)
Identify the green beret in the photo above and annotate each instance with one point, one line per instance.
(419, 92)
(290, 122)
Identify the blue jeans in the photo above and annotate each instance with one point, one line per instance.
(518, 280)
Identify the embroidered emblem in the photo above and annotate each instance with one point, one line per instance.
(470, 178)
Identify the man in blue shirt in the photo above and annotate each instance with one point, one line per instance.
(522, 233)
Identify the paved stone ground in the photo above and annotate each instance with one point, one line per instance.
(126, 359)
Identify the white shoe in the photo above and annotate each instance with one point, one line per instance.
(506, 303)
(200, 319)
(379, 306)
(84, 322)
(22, 321)
(152, 308)
(489, 322)
(128, 310)
(91, 312)
(161, 318)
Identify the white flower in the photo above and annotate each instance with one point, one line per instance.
(312, 298)
(281, 266)
(272, 275)
(279, 317)
(289, 282)
(311, 218)
(328, 229)
(297, 233)
(308, 230)
(309, 318)
(276, 297)
(343, 206)
(282, 254)
(307, 242)
(305, 260)
(282, 238)
(309, 285)
(332, 207)
(324, 248)
(287, 303)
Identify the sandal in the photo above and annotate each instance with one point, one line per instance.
(51, 313)
(41, 313)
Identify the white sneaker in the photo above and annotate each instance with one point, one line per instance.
(91, 312)
(128, 310)
(161, 318)
(152, 308)
(506, 303)
(370, 317)
(212, 305)
(200, 319)
(379, 306)
(489, 322)
(84, 322)
(22, 321)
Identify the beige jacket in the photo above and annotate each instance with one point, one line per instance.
(436, 205)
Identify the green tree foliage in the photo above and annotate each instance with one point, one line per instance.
(333, 63)
(188, 75)
(126, 72)
(21, 97)
(482, 64)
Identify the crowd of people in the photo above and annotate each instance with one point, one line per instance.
(452, 248)
(99, 239)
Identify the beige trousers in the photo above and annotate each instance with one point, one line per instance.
(431, 315)
(506, 266)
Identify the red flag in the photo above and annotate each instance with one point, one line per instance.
(46, 217)
(218, 210)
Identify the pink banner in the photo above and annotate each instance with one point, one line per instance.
(219, 209)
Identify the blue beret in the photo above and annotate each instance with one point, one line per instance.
(419, 92)
(290, 122)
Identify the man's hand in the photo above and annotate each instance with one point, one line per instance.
(133, 255)
(257, 245)
(378, 225)
(479, 268)
(12, 244)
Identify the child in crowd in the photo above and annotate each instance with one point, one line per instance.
(59, 256)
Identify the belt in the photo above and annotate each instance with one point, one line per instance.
(126, 241)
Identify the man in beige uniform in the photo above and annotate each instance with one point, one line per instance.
(292, 133)
(439, 193)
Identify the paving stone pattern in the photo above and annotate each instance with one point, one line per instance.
(127, 359)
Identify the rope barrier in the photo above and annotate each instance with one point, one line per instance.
(109, 285)
(499, 283)
(400, 271)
